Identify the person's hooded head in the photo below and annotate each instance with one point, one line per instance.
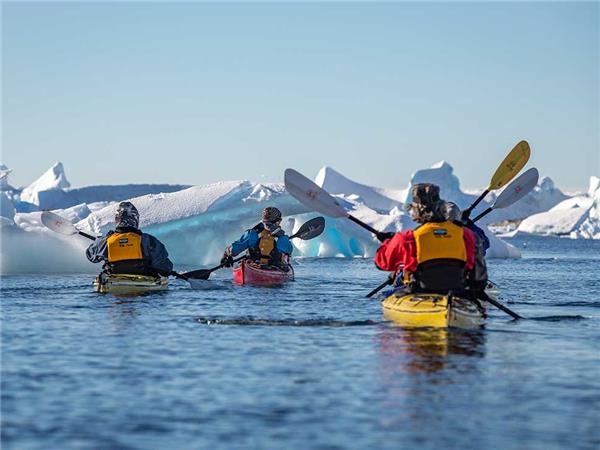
(127, 216)
(271, 218)
(426, 205)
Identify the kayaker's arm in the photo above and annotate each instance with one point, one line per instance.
(98, 250)
(247, 240)
(390, 254)
(479, 233)
(469, 240)
(284, 245)
(157, 253)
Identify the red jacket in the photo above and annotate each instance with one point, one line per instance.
(401, 250)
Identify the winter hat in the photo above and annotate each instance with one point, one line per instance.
(271, 214)
(426, 205)
(127, 215)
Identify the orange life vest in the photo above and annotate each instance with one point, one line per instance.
(441, 254)
(124, 246)
(440, 240)
(266, 245)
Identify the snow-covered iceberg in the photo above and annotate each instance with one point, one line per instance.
(542, 198)
(576, 217)
(197, 223)
(53, 179)
(52, 190)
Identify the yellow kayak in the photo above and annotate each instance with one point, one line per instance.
(125, 284)
(433, 310)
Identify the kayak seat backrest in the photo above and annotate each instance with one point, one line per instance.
(133, 267)
(440, 276)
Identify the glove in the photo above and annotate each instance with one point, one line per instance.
(227, 259)
(384, 236)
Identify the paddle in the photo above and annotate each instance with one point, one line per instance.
(509, 167)
(388, 281)
(483, 296)
(309, 230)
(312, 196)
(514, 192)
(61, 225)
(203, 274)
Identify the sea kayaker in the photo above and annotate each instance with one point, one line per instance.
(478, 278)
(439, 255)
(127, 250)
(266, 242)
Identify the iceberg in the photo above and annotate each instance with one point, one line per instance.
(52, 190)
(576, 217)
(542, 198)
(198, 222)
(53, 178)
(4, 172)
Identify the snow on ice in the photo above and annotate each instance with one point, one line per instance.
(198, 222)
(576, 217)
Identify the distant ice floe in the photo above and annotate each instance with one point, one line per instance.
(576, 217)
(196, 223)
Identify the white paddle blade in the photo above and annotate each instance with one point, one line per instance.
(311, 195)
(58, 224)
(520, 187)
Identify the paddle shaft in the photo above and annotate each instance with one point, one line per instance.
(485, 213)
(362, 224)
(89, 236)
(500, 306)
(467, 212)
(389, 280)
(220, 266)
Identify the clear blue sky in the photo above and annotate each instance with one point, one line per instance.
(199, 92)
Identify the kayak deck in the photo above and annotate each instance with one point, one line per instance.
(127, 284)
(433, 310)
(248, 272)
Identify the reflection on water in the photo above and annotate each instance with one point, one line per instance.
(415, 350)
(310, 365)
(424, 373)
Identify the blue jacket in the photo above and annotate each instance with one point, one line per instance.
(154, 252)
(250, 240)
(479, 233)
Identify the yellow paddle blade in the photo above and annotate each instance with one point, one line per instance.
(511, 165)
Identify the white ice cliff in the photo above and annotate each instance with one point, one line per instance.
(576, 217)
(198, 222)
(53, 178)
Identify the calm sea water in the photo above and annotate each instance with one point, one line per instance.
(308, 365)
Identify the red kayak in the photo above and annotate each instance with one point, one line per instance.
(248, 272)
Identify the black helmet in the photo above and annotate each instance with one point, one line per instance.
(127, 215)
(271, 214)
